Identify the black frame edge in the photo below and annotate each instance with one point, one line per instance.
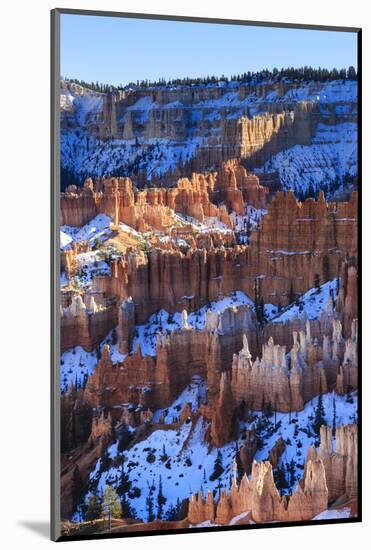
(197, 19)
(55, 531)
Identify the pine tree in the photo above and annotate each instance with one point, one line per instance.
(94, 509)
(333, 416)
(326, 268)
(126, 509)
(292, 294)
(125, 483)
(349, 398)
(172, 513)
(218, 466)
(114, 337)
(267, 409)
(258, 302)
(352, 75)
(291, 470)
(164, 456)
(319, 415)
(317, 283)
(161, 500)
(280, 478)
(78, 487)
(111, 505)
(149, 503)
(337, 284)
(204, 477)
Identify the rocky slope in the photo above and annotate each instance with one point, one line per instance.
(287, 128)
(209, 333)
(322, 482)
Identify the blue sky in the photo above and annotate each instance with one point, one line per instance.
(117, 50)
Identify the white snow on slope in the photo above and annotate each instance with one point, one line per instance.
(330, 158)
(89, 265)
(236, 519)
(311, 304)
(97, 228)
(77, 364)
(194, 394)
(188, 463)
(84, 154)
(182, 472)
(299, 434)
(163, 321)
(334, 514)
(90, 156)
(88, 107)
(335, 91)
(77, 361)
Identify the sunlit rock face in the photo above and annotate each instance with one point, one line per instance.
(208, 305)
(162, 134)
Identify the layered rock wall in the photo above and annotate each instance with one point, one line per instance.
(314, 367)
(296, 244)
(86, 324)
(155, 381)
(141, 210)
(341, 461)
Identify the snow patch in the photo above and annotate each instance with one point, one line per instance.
(164, 322)
(325, 164)
(97, 228)
(311, 304)
(184, 462)
(334, 514)
(77, 365)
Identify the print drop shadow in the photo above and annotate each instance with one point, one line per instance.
(41, 528)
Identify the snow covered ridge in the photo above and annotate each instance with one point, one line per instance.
(74, 97)
(183, 461)
(331, 158)
(97, 228)
(308, 306)
(84, 154)
(164, 322)
(77, 364)
(70, 86)
(311, 304)
(336, 91)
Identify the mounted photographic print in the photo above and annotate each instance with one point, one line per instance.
(205, 273)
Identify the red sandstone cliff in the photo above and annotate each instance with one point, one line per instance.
(152, 208)
(296, 242)
(260, 498)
